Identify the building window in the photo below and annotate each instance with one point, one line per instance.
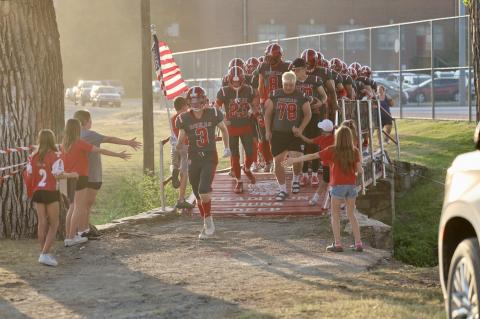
(354, 41)
(309, 29)
(267, 32)
(385, 38)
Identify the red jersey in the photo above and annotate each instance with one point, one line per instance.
(337, 176)
(324, 141)
(76, 159)
(237, 105)
(42, 173)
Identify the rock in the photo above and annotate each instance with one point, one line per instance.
(375, 233)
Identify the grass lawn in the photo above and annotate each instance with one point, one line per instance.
(431, 143)
(434, 144)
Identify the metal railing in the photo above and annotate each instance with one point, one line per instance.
(411, 59)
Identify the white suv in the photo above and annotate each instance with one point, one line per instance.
(458, 248)
(105, 95)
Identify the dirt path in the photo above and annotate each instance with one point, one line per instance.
(256, 268)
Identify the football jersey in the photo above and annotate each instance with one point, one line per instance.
(287, 110)
(310, 86)
(42, 173)
(200, 132)
(337, 78)
(272, 76)
(237, 104)
(323, 73)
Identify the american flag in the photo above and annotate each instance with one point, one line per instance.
(168, 72)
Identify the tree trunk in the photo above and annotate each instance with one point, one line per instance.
(474, 9)
(31, 98)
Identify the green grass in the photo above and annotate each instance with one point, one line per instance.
(433, 144)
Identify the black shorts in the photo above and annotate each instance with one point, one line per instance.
(94, 185)
(255, 128)
(201, 171)
(46, 197)
(326, 174)
(285, 141)
(386, 120)
(74, 185)
(312, 130)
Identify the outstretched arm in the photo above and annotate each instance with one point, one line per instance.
(115, 140)
(124, 155)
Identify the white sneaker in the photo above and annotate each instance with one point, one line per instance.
(48, 260)
(75, 241)
(209, 226)
(314, 200)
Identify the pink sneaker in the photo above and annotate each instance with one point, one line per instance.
(304, 180)
(314, 181)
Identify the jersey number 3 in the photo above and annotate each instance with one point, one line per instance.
(202, 136)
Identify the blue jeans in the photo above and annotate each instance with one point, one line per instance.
(344, 191)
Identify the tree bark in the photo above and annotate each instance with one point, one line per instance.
(474, 9)
(31, 98)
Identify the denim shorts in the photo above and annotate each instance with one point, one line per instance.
(344, 191)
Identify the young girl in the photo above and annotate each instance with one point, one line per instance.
(44, 168)
(344, 161)
(75, 157)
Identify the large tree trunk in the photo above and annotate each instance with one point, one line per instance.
(31, 98)
(475, 51)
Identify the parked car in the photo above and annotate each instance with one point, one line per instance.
(69, 93)
(392, 89)
(156, 90)
(82, 95)
(445, 89)
(409, 79)
(117, 84)
(105, 95)
(458, 248)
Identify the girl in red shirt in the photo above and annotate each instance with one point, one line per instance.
(44, 168)
(344, 162)
(75, 157)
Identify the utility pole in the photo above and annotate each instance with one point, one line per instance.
(147, 98)
(245, 21)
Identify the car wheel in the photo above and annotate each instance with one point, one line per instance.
(420, 98)
(464, 281)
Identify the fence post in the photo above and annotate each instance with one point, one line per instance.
(432, 71)
(162, 187)
(469, 85)
(400, 69)
(380, 134)
(370, 133)
(359, 129)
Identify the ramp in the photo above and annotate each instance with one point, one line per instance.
(259, 199)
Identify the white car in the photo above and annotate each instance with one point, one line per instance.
(458, 248)
(105, 95)
(82, 94)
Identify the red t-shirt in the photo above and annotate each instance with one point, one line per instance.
(42, 177)
(337, 176)
(76, 159)
(324, 141)
(175, 129)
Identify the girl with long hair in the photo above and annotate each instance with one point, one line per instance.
(75, 155)
(343, 159)
(45, 167)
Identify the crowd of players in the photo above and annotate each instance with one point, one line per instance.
(283, 113)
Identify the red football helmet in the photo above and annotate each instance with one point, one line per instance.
(352, 72)
(261, 59)
(366, 71)
(197, 98)
(324, 63)
(336, 65)
(357, 66)
(236, 77)
(236, 62)
(310, 56)
(344, 68)
(320, 56)
(273, 53)
(251, 65)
